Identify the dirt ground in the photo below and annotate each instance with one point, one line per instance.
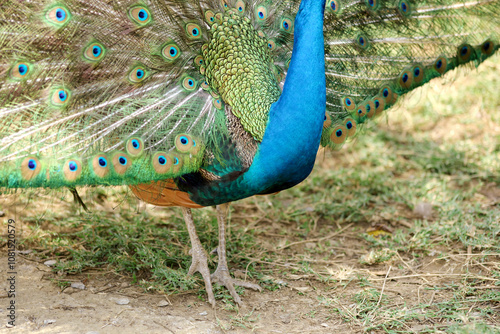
(110, 304)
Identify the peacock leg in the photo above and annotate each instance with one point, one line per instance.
(199, 255)
(221, 274)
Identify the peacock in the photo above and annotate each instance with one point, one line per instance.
(196, 103)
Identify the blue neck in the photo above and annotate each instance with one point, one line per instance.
(288, 150)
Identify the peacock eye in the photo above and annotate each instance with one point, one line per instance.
(189, 83)
(20, 71)
(137, 74)
(162, 160)
(170, 52)
(94, 52)
(122, 160)
(58, 16)
(140, 15)
(103, 162)
(73, 166)
(32, 164)
(286, 25)
(261, 13)
(193, 31)
(59, 97)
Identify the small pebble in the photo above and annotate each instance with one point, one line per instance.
(204, 313)
(2, 214)
(122, 301)
(50, 263)
(163, 303)
(78, 285)
(49, 321)
(324, 324)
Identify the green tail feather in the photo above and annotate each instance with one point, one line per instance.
(80, 80)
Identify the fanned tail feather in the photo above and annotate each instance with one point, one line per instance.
(377, 51)
(115, 93)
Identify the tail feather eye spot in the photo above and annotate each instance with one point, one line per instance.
(379, 105)
(102, 162)
(404, 8)
(362, 41)
(361, 112)
(94, 52)
(210, 17)
(58, 16)
(418, 74)
(121, 162)
(189, 84)
(487, 47)
(348, 103)
(100, 165)
(350, 125)
(183, 143)
(137, 74)
(327, 122)
(134, 146)
(72, 170)
(334, 6)
(170, 52)
(370, 109)
(271, 45)
(440, 65)
(373, 4)
(193, 31)
(20, 71)
(406, 79)
(217, 103)
(198, 60)
(386, 93)
(339, 135)
(261, 13)
(286, 25)
(32, 164)
(60, 97)
(465, 52)
(72, 166)
(162, 162)
(240, 6)
(30, 168)
(140, 15)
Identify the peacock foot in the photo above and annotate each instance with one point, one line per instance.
(199, 264)
(222, 277)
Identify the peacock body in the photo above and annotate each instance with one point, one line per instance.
(198, 103)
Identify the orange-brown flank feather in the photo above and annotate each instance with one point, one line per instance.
(163, 193)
